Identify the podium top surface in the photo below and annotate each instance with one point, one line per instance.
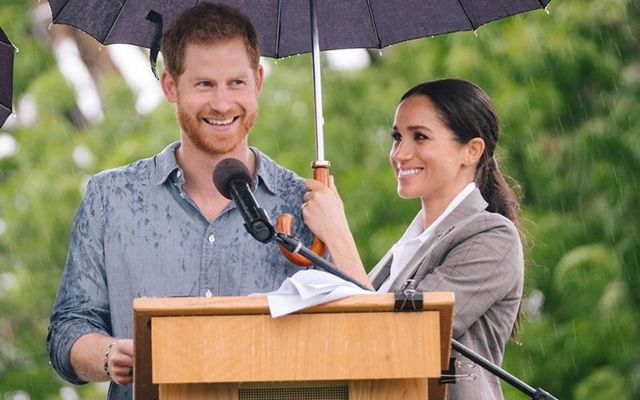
(376, 302)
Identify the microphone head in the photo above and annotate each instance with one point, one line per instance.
(228, 170)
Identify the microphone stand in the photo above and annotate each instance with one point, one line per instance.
(534, 394)
(294, 245)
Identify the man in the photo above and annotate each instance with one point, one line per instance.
(159, 227)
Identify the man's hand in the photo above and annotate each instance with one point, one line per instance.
(90, 353)
(120, 361)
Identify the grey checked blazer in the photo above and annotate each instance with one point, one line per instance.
(478, 256)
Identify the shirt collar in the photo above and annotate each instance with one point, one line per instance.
(266, 168)
(416, 229)
(166, 163)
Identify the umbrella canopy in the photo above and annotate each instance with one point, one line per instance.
(6, 76)
(284, 25)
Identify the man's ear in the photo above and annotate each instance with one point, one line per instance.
(475, 149)
(259, 74)
(169, 86)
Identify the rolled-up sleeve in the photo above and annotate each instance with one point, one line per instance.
(82, 303)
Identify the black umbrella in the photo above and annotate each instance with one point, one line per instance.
(6, 76)
(287, 27)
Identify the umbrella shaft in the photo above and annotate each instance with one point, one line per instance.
(317, 84)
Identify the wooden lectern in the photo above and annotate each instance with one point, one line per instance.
(231, 348)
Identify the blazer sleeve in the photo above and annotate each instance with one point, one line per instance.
(482, 266)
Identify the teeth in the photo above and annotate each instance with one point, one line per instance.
(406, 172)
(219, 122)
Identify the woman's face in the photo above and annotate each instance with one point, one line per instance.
(427, 160)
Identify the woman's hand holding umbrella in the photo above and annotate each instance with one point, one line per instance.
(323, 212)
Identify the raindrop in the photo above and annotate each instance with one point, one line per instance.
(475, 32)
(546, 9)
(380, 53)
(50, 26)
(16, 48)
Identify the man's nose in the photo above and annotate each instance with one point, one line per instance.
(220, 101)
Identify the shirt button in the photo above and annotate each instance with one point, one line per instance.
(183, 195)
(179, 174)
(211, 238)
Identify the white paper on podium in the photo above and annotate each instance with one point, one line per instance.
(308, 288)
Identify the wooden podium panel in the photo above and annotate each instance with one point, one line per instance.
(206, 348)
(303, 346)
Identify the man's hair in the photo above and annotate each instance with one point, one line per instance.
(207, 24)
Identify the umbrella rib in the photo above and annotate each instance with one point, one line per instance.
(373, 22)
(467, 15)
(542, 4)
(278, 28)
(114, 21)
(53, 17)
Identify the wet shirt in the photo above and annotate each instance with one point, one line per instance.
(137, 234)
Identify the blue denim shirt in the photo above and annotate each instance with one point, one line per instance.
(137, 233)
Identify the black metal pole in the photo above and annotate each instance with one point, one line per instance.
(535, 394)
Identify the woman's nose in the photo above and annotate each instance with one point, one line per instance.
(401, 151)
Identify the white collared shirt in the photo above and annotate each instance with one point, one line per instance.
(416, 235)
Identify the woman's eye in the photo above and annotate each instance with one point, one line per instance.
(396, 136)
(419, 136)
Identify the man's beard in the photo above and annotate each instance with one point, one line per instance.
(210, 143)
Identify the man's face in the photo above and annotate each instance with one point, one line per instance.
(216, 95)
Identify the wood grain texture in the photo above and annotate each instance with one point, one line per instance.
(296, 347)
(385, 389)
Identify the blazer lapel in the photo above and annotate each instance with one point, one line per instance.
(382, 270)
(427, 257)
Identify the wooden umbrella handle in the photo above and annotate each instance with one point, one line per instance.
(284, 222)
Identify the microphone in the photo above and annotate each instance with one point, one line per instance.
(232, 179)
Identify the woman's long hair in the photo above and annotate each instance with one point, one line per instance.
(468, 112)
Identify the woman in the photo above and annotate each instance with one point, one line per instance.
(465, 237)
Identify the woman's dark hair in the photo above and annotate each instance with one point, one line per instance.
(467, 110)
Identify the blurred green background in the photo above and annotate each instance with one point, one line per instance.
(566, 85)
